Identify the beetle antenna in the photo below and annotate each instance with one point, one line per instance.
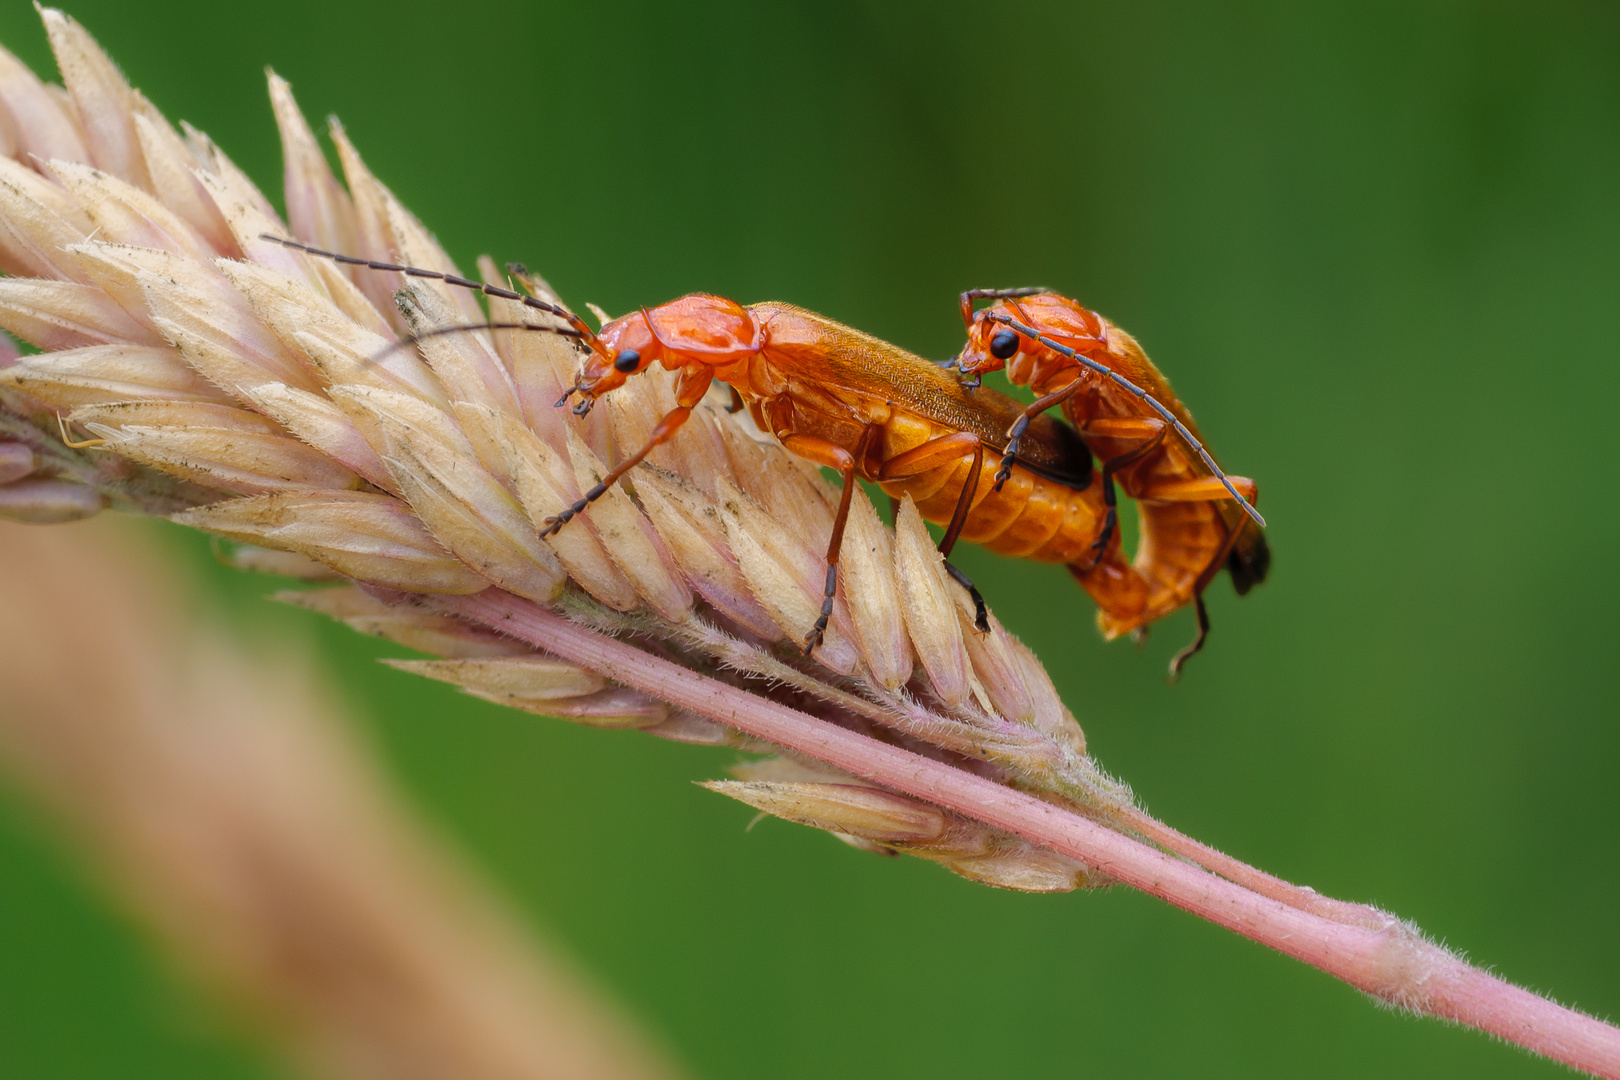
(576, 328)
(1153, 403)
(578, 325)
(411, 339)
(1006, 294)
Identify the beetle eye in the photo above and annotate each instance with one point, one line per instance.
(627, 361)
(1003, 344)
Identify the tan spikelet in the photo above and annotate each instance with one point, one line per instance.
(630, 539)
(367, 537)
(44, 128)
(217, 446)
(102, 374)
(38, 219)
(106, 104)
(317, 206)
(174, 182)
(66, 315)
(930, 610)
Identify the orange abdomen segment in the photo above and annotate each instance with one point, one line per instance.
(1120, 592)
(1031, 517)
(1181, 548)
(1182, 545)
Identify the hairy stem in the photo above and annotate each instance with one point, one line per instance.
(1251, 878)
(1391, 961)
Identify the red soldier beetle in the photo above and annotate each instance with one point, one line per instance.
(1194, 518)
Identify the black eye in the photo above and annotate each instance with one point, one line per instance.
(1003, 344)
(627, 361)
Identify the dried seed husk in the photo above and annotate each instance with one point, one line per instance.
(217, 446)
(102, 374)
(104, 99)
(67, 315)
(929, 608)
(367, 537)
(786, 578)
(630, 539)
(315, 420)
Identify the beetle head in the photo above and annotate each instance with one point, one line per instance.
(624, 348)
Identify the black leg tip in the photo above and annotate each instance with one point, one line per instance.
(1178, 662)
(1097, 550)
(553, 525)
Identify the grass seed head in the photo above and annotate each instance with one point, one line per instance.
(263, 394)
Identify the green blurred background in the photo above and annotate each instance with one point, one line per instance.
(1374, 245)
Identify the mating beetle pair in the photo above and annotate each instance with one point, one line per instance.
(990, 469)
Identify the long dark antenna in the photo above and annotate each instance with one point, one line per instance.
(580, 329)
(1153, 403)
(466, 328)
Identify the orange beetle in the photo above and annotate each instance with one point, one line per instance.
(1194, 518)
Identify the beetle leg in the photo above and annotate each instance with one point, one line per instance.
(964, 504)
(1151, 435)
(1201, 489)
(1015, 434)
(930, 455)
(832, 456)
(689, 390)
(964, 501)
(668, 426)
(1209, 487)
(756, 409)
(981, 613)
(1206, 489)
(1197, 643)
(971, 295)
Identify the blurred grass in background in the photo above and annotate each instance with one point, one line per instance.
(1376, 247)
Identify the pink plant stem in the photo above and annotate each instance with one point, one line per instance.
(1392, 961)
(1251, 878)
